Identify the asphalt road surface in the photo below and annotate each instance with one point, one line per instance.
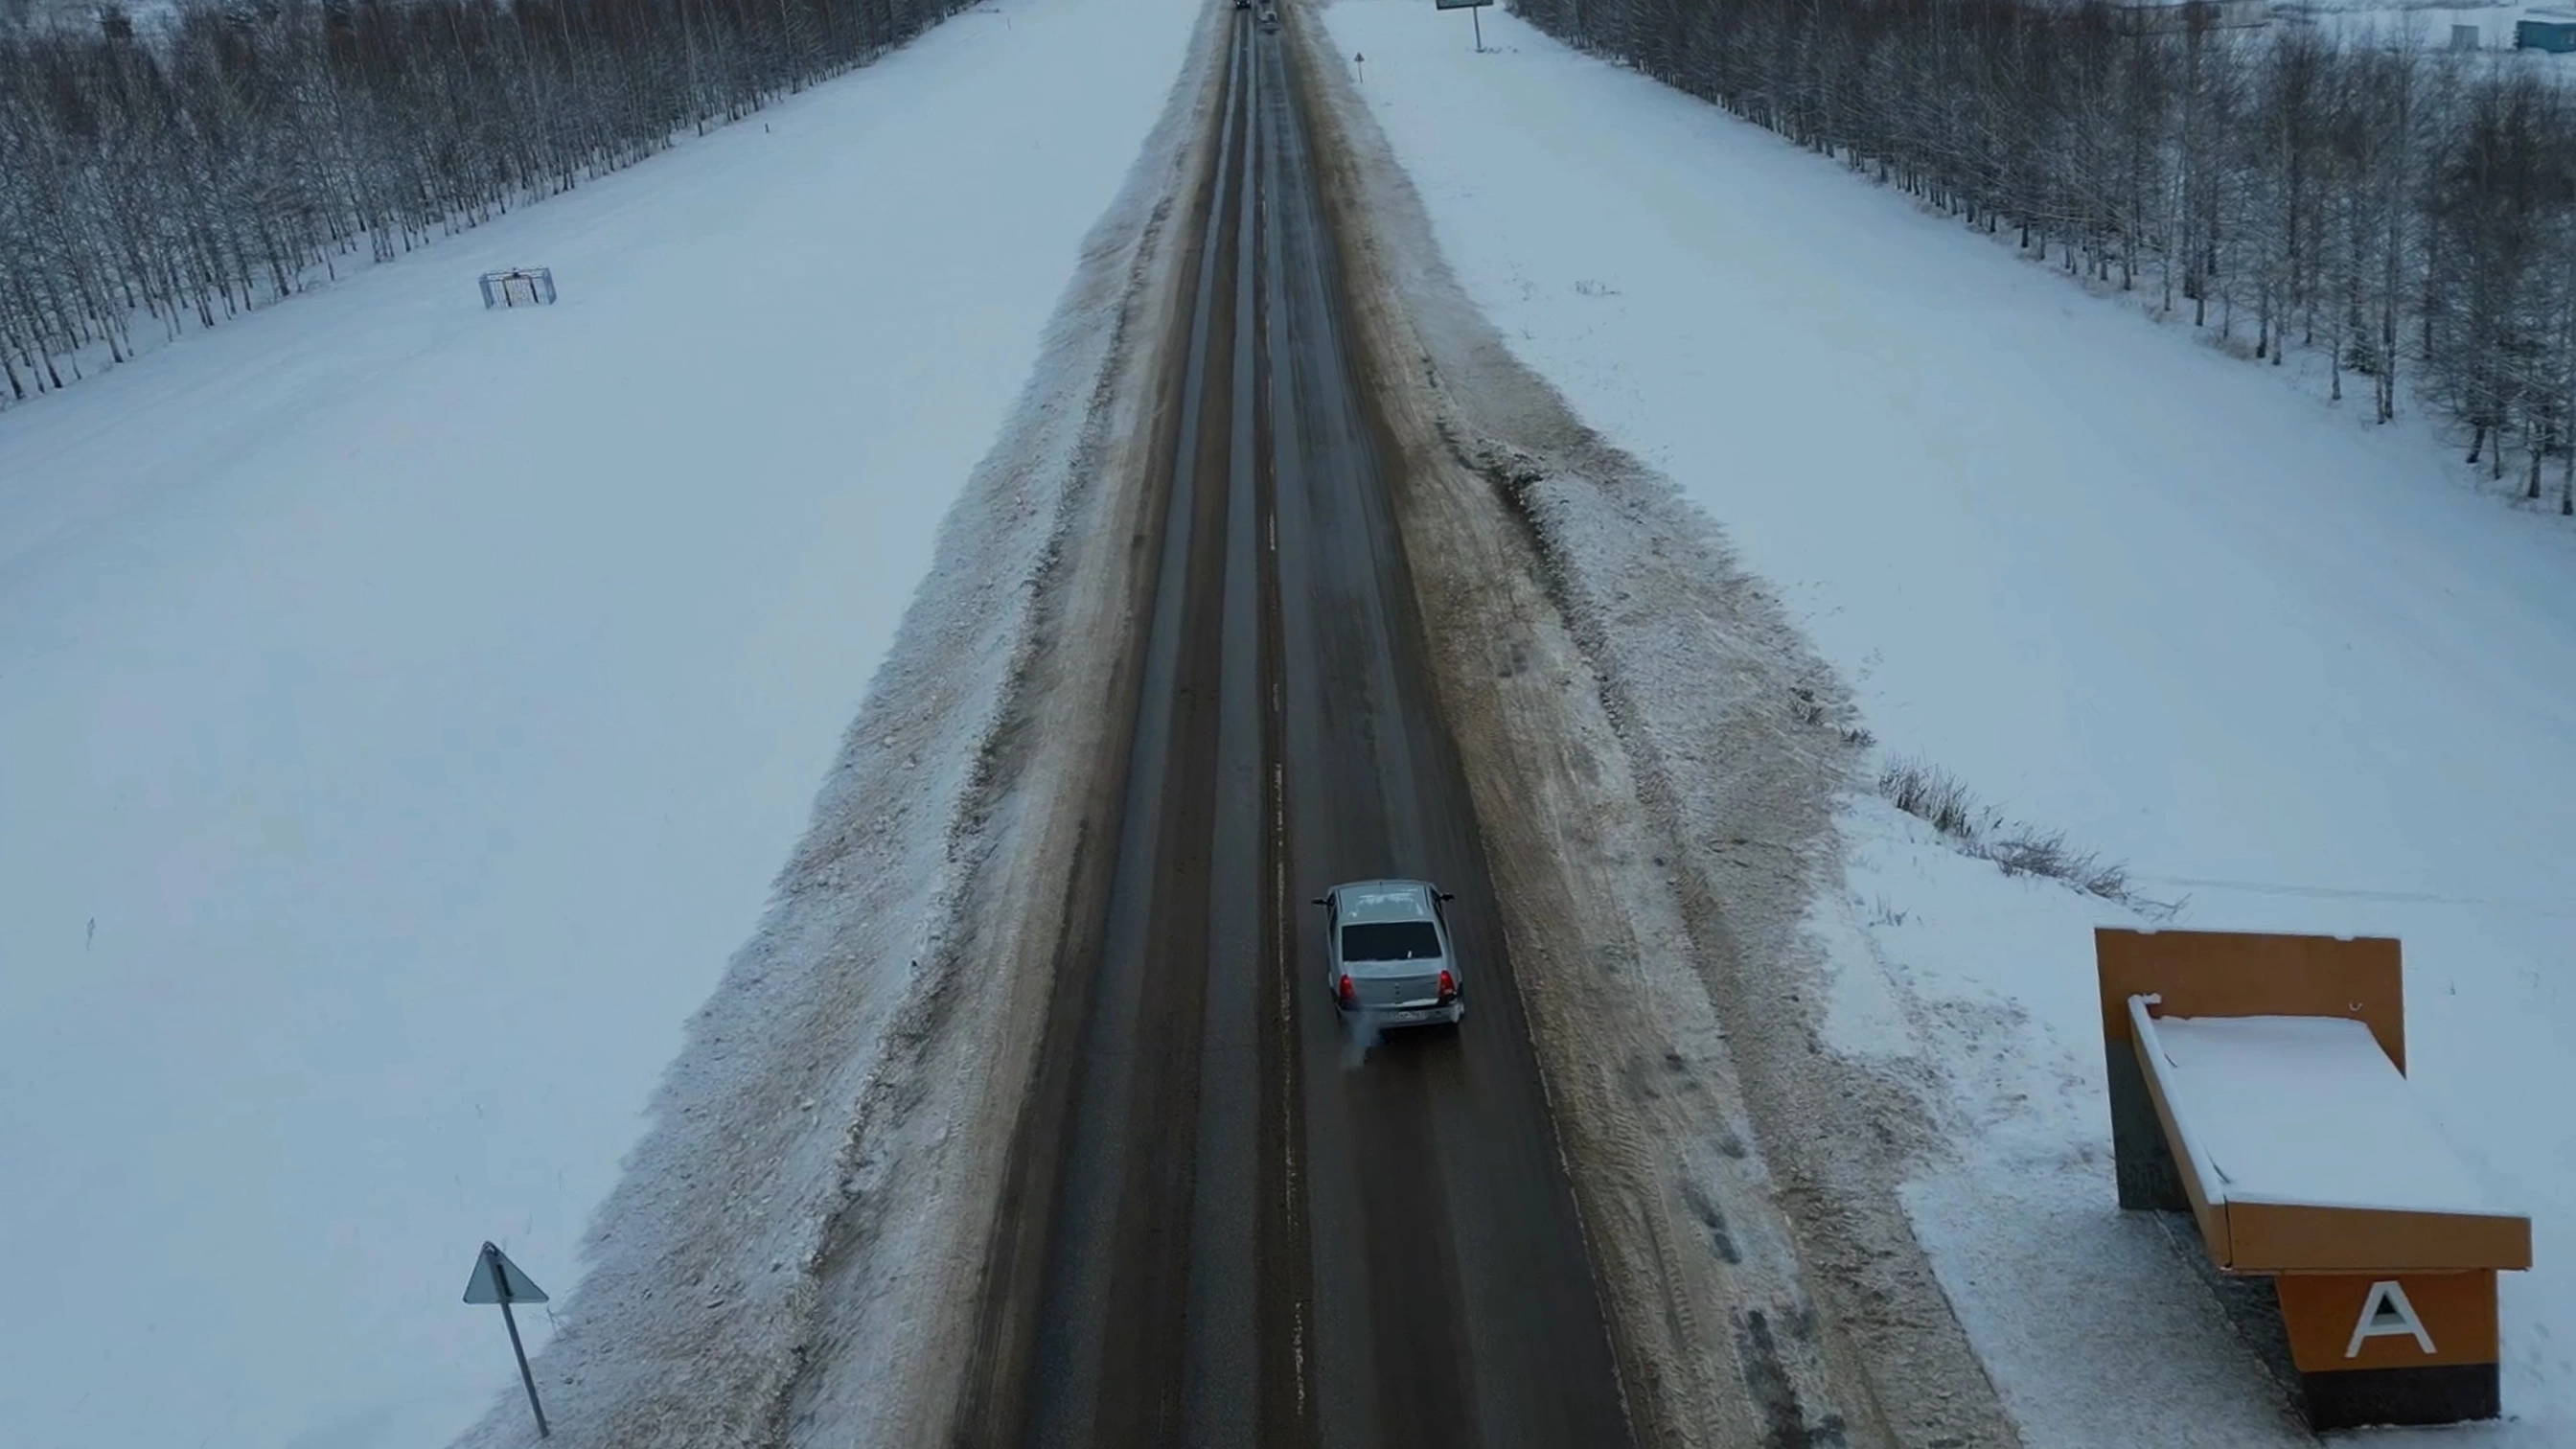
(1233, 1223)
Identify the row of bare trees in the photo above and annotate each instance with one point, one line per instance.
(2407, 212)
(155, 178)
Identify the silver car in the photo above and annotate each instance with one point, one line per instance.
(1388, 956)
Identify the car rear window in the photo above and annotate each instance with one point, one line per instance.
(1391, 941)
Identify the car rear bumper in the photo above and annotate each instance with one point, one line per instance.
(1384, 1016)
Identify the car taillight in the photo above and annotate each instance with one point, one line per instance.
(1350, 993)
(1448, 984)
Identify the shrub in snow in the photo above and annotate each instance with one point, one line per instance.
(1930, 793)
(1940, 799)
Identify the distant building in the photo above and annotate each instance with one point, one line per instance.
(2551, 31)
(2174, 17)
(2464, 37)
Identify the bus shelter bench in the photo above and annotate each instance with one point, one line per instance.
(2258, 1083)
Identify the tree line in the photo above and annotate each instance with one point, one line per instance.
(2408, 212)
(162, 176)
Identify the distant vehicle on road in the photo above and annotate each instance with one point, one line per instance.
(1388, 954)
(1269, 20)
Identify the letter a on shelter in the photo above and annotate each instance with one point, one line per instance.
(2387, 1314)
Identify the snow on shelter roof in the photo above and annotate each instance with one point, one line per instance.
(1385, 900)
(2308, 1110)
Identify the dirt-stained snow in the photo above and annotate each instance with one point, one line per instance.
(1655, 755)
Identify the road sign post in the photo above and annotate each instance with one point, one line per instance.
(498, 1280)
(1471, 7)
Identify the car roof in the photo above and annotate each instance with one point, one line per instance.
(1364, 901)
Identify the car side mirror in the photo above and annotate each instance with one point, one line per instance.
(1319, 900)
(1448, 895)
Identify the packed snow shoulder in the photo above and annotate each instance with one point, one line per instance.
(792, 1255)
(409, 708)
(1654, 756)
(2257, 650)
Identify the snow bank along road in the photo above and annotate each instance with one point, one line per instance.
(2263, 658)
(425, 701)
(1235, 1227)
(1213, 1219)
(235, 634)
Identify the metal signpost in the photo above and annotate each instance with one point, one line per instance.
(498, 1280)
(1471, 7)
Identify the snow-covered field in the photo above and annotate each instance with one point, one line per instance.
(2286, 666)
(404, 710)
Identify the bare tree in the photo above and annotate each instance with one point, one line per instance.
(2344, 193)
(180, 174)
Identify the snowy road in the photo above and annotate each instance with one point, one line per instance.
(1373, 1248)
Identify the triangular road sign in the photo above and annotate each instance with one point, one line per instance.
(498, 1280)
